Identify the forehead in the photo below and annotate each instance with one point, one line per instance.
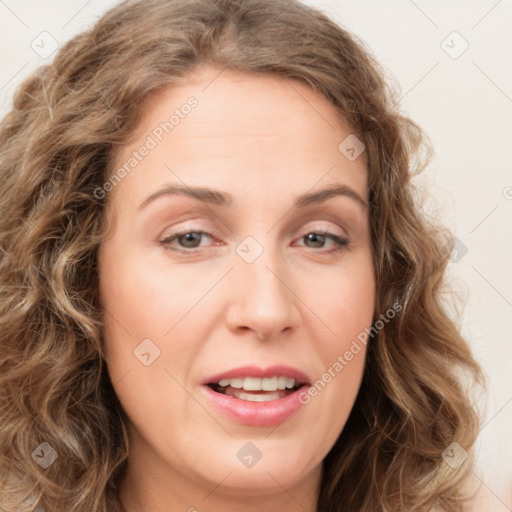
(246, 100)
(259, 128)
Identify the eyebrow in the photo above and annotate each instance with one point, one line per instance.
(223, 199)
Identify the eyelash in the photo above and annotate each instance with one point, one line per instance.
(340, 242)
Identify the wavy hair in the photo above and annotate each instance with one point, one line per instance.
(56, 148)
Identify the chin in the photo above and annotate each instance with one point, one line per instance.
(274, 469)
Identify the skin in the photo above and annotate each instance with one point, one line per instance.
(265, 140)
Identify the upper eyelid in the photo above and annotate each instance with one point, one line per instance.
(197, 228)
(351, 215)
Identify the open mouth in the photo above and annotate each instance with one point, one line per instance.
(253, 389)
(269, 399)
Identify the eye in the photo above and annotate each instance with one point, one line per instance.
(188, 238)
(318, 239)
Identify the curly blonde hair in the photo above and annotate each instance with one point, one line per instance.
(56, 147)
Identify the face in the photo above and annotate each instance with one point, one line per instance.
(191, 285)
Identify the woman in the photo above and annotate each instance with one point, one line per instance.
(302, 358)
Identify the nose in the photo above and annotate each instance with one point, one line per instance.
(262, 298)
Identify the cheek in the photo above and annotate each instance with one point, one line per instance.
(142, 301)
(346, 308)
(150, 334)
(345, 300)
(145, 361)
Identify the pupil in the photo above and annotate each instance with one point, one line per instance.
(313, 237)
(189, 237)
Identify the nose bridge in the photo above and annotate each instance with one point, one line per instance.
(260, 264)
(261, 297)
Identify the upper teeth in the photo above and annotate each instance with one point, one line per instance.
(256, 384)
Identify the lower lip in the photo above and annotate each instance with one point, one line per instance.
(273, 412)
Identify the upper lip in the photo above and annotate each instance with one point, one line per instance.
(256, 371)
